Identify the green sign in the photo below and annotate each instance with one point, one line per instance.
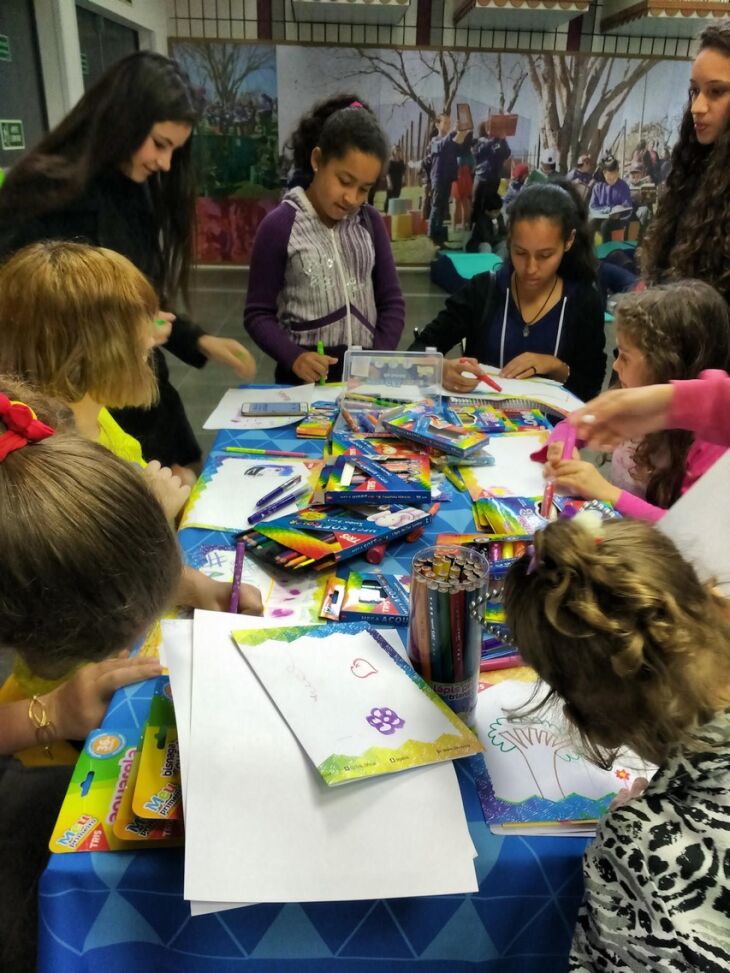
(84, 64)
(11, 134)
(5, 54)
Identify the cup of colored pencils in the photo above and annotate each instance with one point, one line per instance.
(449, 587)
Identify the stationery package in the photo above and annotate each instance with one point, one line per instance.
(437, 426)
(320, 536)
(381, 599)
(318, 423)
(347, 443)
(509, 517)
(357, 479)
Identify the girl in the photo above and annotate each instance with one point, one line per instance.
(638, 651)
(322, 275)
(77, 321)
(117, 172)
(88, 563)
(665, 333)
(541, 313)
(689, 236)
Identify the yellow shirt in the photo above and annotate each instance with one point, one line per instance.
(126, 447)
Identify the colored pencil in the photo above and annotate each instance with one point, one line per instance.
(266, 452)
(237, 572)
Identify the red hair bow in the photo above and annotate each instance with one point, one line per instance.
(23, 426)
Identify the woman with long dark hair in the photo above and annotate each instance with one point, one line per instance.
(118, 172)
(541, 313)
(690, 235)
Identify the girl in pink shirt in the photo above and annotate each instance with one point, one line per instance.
(663, 334)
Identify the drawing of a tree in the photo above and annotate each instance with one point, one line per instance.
(226, 67)
(580, 97)
(540, 744)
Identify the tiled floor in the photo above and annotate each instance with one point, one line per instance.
(217, 300)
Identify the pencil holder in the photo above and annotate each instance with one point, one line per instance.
(449, 588)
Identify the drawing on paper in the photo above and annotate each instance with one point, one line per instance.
(384, 720)
(540, 744)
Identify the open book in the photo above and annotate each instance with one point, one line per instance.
(531, 393)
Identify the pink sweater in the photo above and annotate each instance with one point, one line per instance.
(701, 406)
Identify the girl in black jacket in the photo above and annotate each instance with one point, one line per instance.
(540, 313)
(117, 173)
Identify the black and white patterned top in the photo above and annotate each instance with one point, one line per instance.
(657, 876)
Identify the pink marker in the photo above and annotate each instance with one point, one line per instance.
(566, 434)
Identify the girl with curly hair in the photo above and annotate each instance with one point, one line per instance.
(637, 650)
(690, 235)
(668, 333)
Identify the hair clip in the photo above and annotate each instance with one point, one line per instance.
(23, 426)
(356, 104)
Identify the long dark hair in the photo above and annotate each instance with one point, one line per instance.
(102, 132)
(689, 235)
(560, 203)
(681, 329)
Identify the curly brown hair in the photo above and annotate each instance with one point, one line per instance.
(621, 629)
(689, 236)
(681, 329)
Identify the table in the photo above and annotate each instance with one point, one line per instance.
(121, 911)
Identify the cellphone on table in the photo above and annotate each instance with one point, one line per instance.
(274, 409)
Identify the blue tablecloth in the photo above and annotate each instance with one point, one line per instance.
(119, 911)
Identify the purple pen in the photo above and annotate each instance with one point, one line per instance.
(237, 572)
(272, 494)
(282, 502)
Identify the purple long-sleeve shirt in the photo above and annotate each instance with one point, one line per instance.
(606, 197)
(309, 282)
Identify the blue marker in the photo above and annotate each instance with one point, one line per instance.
(273, 507)
(272, 494)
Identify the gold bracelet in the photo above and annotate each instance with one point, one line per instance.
(45, 731)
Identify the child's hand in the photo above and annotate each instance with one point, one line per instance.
(311, 366)
(454, 377)
(626, 794)
(162, 327)
(228, 352)
(169, 489)
(197, 590)
(576, 478)
(623, 414)
(78, 706)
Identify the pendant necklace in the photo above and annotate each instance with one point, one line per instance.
(526, 328)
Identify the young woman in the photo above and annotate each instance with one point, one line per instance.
(322, 274)
(637, 651)
(541, 313)
(690, 235)
(663, 334)
(117, 172)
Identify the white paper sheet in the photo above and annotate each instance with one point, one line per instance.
(261, 825)
(352, 707)
(227, 414)
(513, 471)
(226, 497)
(537, 389)
(699, 524)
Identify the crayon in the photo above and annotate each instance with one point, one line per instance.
(375, 554)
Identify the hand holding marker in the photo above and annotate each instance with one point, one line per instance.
(568, 436)
(483, 377)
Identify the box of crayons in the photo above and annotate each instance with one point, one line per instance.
(435, 425)
(378, 598)
(319, 536)
(358, 479)
(318, 422)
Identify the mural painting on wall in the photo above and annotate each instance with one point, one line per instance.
(235, 145)
(467, 128)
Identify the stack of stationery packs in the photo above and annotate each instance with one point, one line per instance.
(434, 424)
(292, 742)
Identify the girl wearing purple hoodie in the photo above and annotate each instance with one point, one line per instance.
(322, 275)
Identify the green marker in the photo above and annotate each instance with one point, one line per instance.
(320, 351)
(160, 322)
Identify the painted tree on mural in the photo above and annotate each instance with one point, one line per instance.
(580, 97)
(509, 82)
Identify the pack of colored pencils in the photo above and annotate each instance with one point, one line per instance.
(320, 536)
(434, 424)
(358, 479)
(378, 598)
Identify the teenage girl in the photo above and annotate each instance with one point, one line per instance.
(540, 314)
(637, 651)
(117, 172)
(689, 236)
(663, 334)
(322, 275)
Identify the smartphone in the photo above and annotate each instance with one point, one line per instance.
(274, 409)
